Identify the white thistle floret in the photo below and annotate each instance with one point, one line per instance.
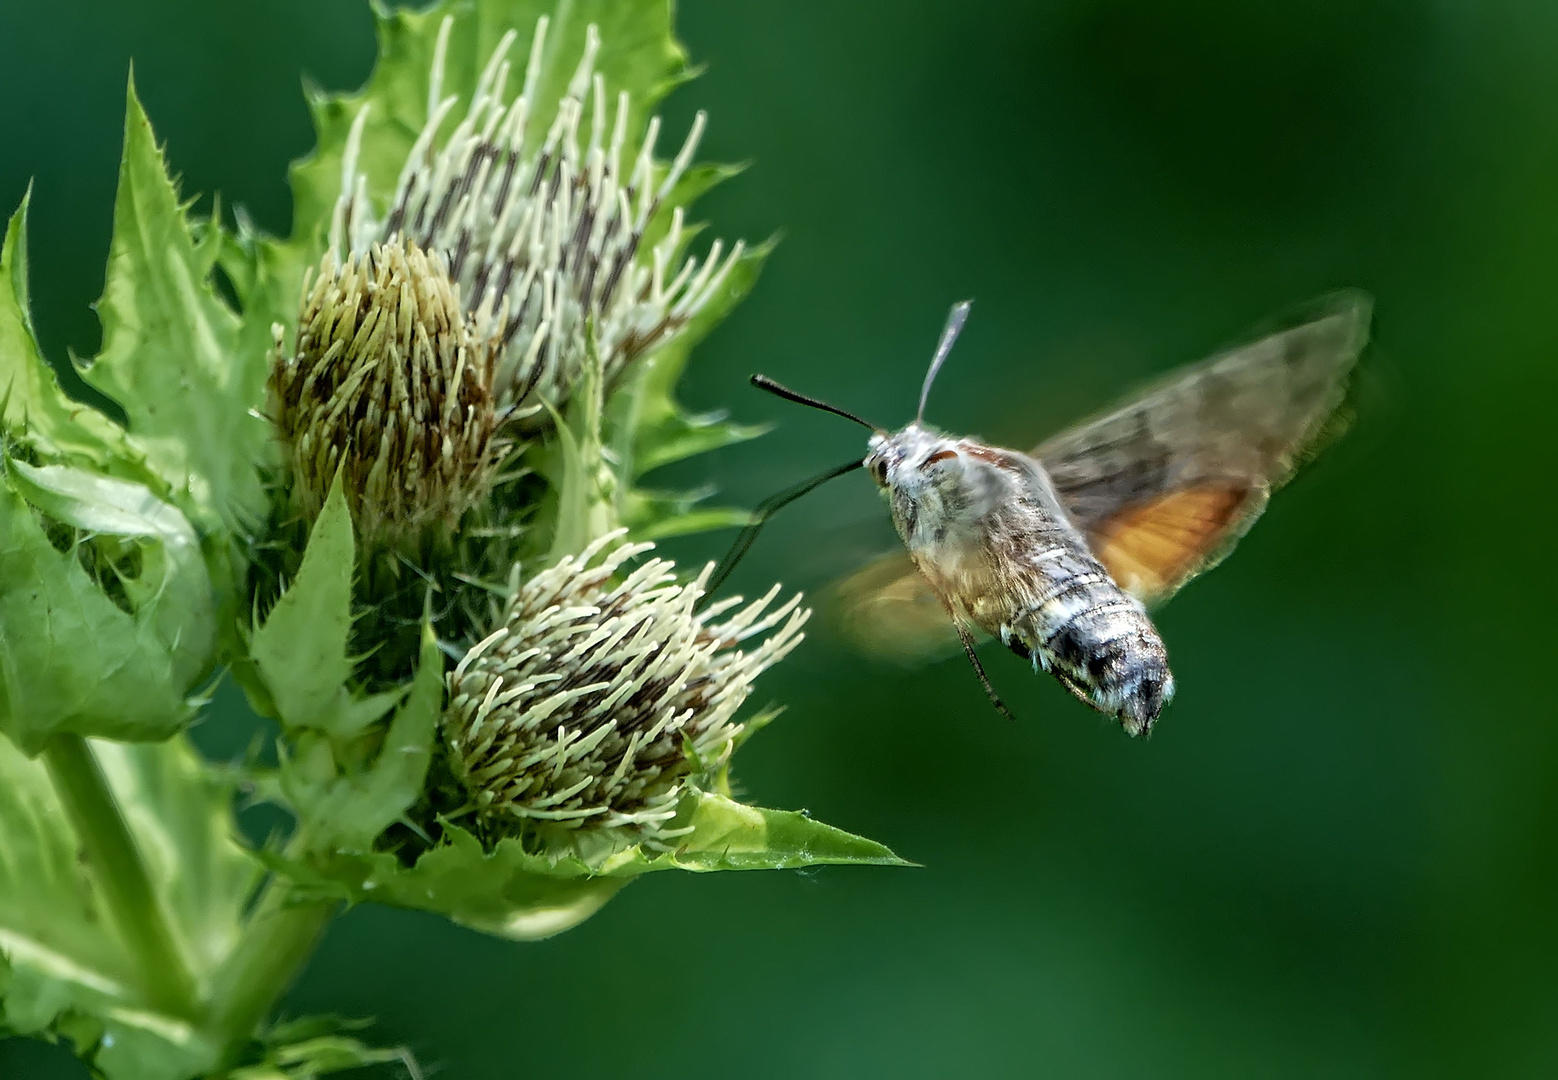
(542, 232)
(593, 703)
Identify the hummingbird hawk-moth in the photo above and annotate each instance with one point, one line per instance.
(1060, 552)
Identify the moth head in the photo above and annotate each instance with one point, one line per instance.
(910, 460)
(912, 464)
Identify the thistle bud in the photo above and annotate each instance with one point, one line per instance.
(543, 227)
(593, 703)
(389, 383)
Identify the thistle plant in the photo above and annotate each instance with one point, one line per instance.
(396, 495)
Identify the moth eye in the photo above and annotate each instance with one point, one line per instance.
(878, 470)
(939, 455)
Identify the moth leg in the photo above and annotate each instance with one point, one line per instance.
(979, 669)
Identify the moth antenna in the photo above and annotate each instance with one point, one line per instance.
(765, 510)
(949, 334)
(763, 382)
(968, 649)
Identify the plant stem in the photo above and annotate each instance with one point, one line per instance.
(277, 941)
(116, 864)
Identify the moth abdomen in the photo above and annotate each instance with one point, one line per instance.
(1096, 639)
(1126, 676)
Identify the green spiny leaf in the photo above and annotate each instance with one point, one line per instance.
(348, 812)
(585, 486)
(509, 892)
(33, 408)
(170, 351)
(70, 659)
(661, 430)
(179, 810)
(683, 435)
(318, 1046)
(70, 976)
(514, 893)
(728, 835)
(648, 428)
(655, 515)
(266, 276)
(396, 778)
(696, 182)
(301, 648)
(169, 587)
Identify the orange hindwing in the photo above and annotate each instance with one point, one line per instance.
(1152, 547)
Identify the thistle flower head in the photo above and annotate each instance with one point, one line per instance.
(389, 383)
(543, 229)
(593, 703)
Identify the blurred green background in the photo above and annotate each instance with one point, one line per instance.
(1338, 856)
